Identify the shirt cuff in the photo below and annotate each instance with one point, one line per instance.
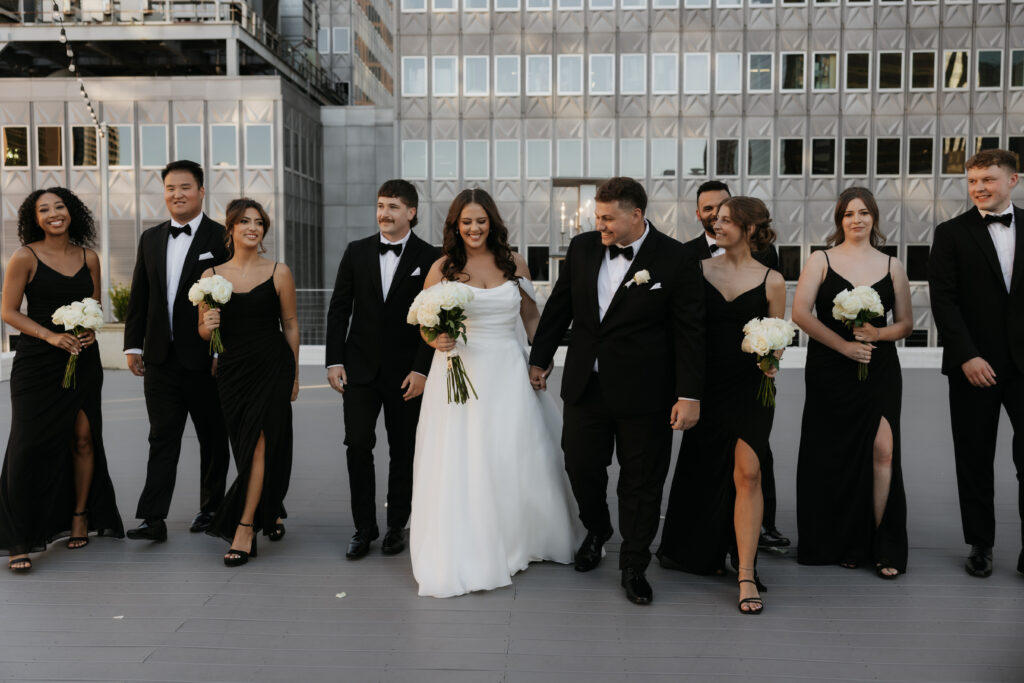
(336, 365)
(684, 398)
(137, 352)
(418, 373)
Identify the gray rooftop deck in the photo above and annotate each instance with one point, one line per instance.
(131, 611)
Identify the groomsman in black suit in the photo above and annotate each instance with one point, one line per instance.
(710, 196)
(162, 345)
(376, 359)
(976, 277)
(633, 371)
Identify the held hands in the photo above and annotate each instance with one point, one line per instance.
(685, 414)
(867, 333)
(539, 377)
(337, 378)
(413, 385)
(857, 351)
(979, 373)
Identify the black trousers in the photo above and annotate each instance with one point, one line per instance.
(173, 393)
(363, 403)
(974, 416)
(594, 427)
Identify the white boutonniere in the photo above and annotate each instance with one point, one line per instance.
(641, 277)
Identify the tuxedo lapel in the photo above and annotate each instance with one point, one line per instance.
(979, 230)
(405, 262)
(705, 248)
(591, 276)
(163, 232)
(373, 263)
(640, 262)
(1017, 274)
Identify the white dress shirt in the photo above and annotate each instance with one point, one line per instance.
(1005, 241)
(713, 247)
(389, 263)
(613, 271)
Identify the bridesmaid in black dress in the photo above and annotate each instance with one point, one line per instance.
(851, 506)
(54, 481)
(718, 473)
(257, 378)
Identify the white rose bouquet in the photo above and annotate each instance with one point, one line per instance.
(215, 291)
(763, 337)
(853, 308)
(77, 317)
(442, 310)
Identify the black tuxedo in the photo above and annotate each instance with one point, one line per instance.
(177, 383)
(650, 350)
(697, 249)
(977, 316)
(367, 332)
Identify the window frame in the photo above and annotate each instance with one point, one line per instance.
(485, 8)
(838, 62)
(931, 171)
(682, 151)
(846, 70)
(213, 127)
(967, 84)
(454, 60)
(434, 156)
(782, 71)
(935, 71)
(407, 172)
(479, 142)
(941, 156)
(426, 76)
(771, 157)
(96, 143)
(270, 147)
(131, 146)
(453, 7)
(591, 172)
(738, 57)
(519, 76)
(516, 8)
(641, 144)
(559, 156)
(803, 155)
(661, 57)
(687, 57)
(899, 162)
(878, 70)
(347, 41)
(166, 157)
(603, 56)
(466, 60)
(662, 143)
(526, 75)
(545, 141)
(567, 57)
(405, 7)
(519, 172)
(1009, 70)
(867, 157)
(835, 157)
(60, 137)
(739, 161)
(977, 69)
(565, 6)
(771, 72)
(532, 5)
(28, 146)
(622, 73)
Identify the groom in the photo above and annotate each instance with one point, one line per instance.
(634, 368)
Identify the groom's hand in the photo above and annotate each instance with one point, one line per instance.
(685, 414)
(539, 378)
(337, 378)
(413, 385)
(979, 373)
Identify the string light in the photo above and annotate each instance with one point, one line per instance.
(62, 38)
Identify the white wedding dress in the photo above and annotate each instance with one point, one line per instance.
(490, 493)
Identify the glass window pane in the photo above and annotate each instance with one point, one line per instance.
(858, 70)
(665, 74)
(224, 145)
(887, 156)
(15, 146)
(826, 71)
(414, 76)
(506, 159)
(49, 146)
(258, 145)
(729, 72)
(475, 75)
(119, 146)
(791, 156)
(570, 158)
(602, 74)
(890, 70)
(323, 41)
(538, 263)
(414, 159)
(444, 6)
(188, 142)
(665, 4)
(955, 69)
(923, 70)
(634, 4)
(446, 82)
(1015, 144)
(153, 146)
(792, 71)
(538, 159)
(954, 154)
(695, 156)
(698, 4)
(538, 74)
(506, 5)
(759, 72)
(759, 157)
(990, 69)
(538, 4)
(855, 156)
(730, 3)
(83, 146)
(446, 159)
(634, 74)
(823, 156)
(570, 74)
(414, 5)
(475, 162)
(917, 261)
(567, 5)
(602, 158)
(696, 72)
(632, 157)
(985, 142)
(727, 157)
(921, 157)
(1017, 69)
(506, 75)
(789, 262)
(474, 5)
(341, 40)
(664, 162)
(602, 4)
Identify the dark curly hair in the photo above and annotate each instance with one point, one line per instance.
(497, 236)
(81, 232)
(235, 211)
(751, 214)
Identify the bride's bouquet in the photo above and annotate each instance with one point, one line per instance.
(763, 337)
(439, 310)
(215, 291)
(77, 317)
(853, 308)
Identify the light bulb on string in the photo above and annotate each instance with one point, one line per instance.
(69, 52)
(71, 67)
(63, 37)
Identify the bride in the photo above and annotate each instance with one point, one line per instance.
(490, 494)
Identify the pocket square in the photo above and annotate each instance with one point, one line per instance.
(656, 285)
(205, 255)
(415, 272)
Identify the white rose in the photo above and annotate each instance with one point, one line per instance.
(196, 293)
(220, 289)
(73, 316)
(642, 277)
(92, 306)
(757, 344)
(751, 325)
(92, 321)
(429, 319)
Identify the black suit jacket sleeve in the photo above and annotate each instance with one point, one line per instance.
(943, 287)
(138, 300)
(688, 332)
(340, 311)
(556, 318)
(424, 357)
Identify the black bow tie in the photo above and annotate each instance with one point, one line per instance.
(615, 251)
(1005, 219)
(385, 248)
(713, 247)
(179, 229)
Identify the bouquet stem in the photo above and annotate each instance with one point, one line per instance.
(862, 371)
(70, 380)
(766, 392)
(459, 384)
(216, 346)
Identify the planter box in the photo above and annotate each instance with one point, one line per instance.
(111, 342)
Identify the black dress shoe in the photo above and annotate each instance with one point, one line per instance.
(772, 538)
(394, 541)
(149, 530)
(979, 562)
(637, 589)
(201, 522)
(589, 554)
(360, 544)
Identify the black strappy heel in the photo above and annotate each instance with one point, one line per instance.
(25, 561)
(278, 533)
(83, 540)
(754, 609)
(241, 556)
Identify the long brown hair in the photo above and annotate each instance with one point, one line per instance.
(236, 209)
(751, 214)
(837, 237)
(497, 236)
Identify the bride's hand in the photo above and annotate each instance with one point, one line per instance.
(444, 342)
(295, 388)
(211, 319)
